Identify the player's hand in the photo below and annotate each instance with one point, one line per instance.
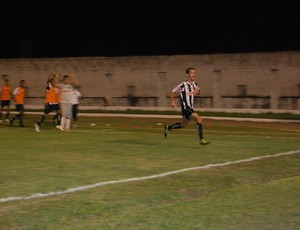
(196, 92)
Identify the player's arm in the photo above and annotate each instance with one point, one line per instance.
(196, 90)
(15, 93)
(173, 104)
(79, 94)
(175, 91)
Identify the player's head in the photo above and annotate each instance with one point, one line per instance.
(52, 81)
(191, 73)
(22, 83)
(65, 79)
(54, 75)
(187, 71)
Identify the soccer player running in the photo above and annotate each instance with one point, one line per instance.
(5, 93)
(51, 104)
(187, 90)
(19, 94)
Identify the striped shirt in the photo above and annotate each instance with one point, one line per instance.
(186, 91)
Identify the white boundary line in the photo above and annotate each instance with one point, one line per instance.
(177, 117)
(86, 187)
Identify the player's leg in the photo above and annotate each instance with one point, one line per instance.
(74, 114)
(21, 116)
(47, 110)
(54, 119)
(17, 116)
(186, 114)
(37, 125)
(199, 127)
(69, 116)
(64, 115)
(1, 111)
(7, 111)
(57, 117)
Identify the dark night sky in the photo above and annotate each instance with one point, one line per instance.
(140, 27)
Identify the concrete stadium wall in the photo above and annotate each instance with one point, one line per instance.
(247, 80)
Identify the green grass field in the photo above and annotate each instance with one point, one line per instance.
(260, 194)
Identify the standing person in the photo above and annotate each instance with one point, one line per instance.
(51, 104)
(5, 92)
(187, 90)
(66, 100)
(57, 117)
(19, 94)
(76, 96)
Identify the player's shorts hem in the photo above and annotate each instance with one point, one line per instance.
(187, 113)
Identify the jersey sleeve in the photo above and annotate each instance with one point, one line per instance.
(177, 88)
(16, 91)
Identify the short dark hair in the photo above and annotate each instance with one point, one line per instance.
(187, 71)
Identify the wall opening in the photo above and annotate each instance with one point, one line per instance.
(242, 90)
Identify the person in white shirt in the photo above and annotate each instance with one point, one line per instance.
(76, 96)
(66, 102)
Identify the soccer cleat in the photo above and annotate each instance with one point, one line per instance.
(166, 131)
(59, 127)
(204, 142)
(37, 128)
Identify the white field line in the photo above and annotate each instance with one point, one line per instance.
(176, 117)
(86, 187)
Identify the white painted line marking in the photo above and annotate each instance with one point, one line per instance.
(82, 188)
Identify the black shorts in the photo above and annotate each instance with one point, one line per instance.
(74, 111)
(187, 113)
(20, 107)
(5, 103)
(51, 108)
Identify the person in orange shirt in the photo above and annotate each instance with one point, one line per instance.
(19, 95)
(57, 117)
(51, 104)
(5, 94)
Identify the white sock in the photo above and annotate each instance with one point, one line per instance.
(68, 124)
(63, 122)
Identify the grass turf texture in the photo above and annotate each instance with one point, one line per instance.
(261, 194)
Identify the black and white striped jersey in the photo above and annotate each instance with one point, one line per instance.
(186, 91)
